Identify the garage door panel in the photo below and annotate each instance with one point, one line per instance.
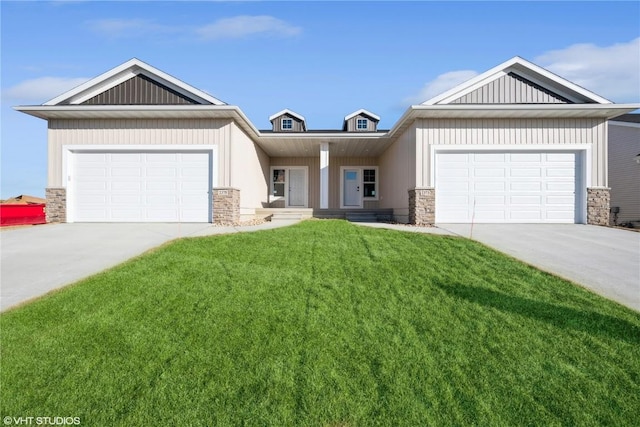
(494, 172)
(525, 157)
(489, 200)
(488, 157)
(562, 172)
(525, 200)
(124, 199)
(525, 215)
(488, 186)
(527, 186)
(141, 186)
(506, 187)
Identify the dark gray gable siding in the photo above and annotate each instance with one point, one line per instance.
(351, 125)
(298, 125)
(140, 90)
(511, 89)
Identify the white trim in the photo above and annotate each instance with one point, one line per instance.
(583, 179)
(360, 170)
(287, 169)
(366, 123)
(124, 72)
(286, 111)
(362, 111)
(624, 124)
(324, 175)
(522, 67)
(69, 150)
(282, 123)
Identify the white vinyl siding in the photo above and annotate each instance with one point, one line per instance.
(624, 172)
(503, 187)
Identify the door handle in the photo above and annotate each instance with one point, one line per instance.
(358, 188)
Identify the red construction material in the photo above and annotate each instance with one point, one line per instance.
(22, 214)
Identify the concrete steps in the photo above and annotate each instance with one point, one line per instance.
(361, 217)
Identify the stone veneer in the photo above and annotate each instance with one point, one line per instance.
(56, 210)
(598, 201)
(422, 206)
(226, 205)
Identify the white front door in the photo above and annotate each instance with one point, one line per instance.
(351, 190)
(297, 188)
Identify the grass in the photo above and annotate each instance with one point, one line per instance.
(323, 324)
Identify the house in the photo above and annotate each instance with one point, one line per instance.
(624, 169)
(515, 144)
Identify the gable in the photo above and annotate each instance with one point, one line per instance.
(134, 83)
(517, 81)
(139, 90)
(298, 125)
(511, 89)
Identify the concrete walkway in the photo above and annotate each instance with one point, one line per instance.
(38, 259)
(604, 260)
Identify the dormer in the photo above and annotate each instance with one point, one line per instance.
(361, 121)
(287, 121)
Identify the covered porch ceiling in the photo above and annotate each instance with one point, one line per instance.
(308, 145)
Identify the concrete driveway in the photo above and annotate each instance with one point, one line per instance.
(604, 260)
(35, 260)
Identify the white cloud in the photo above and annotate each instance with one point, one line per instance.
(42, 89)
(244, 25)
(610, 71)
(440, 84)
(122, 28)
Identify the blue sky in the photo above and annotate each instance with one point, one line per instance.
(323, 60)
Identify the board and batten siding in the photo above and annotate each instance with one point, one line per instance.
(533, 133)
(352, 124)
(298, 125)
(511, 89)
(114, 132)
(624, 172)
(139, 90)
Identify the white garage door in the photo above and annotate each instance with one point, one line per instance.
(506, 187)
(140, 187)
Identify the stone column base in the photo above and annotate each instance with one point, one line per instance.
(226, 206)
(56, 210)
(598, 201)
(422, 206)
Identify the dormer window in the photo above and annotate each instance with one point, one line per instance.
(362, 124)
(287, 124)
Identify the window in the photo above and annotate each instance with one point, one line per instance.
(362, 124)
(287, 124)
(369, 182)
(278, 182)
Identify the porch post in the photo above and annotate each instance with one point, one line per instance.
(324, 175)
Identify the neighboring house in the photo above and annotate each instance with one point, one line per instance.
(515, 144)
(624, 169)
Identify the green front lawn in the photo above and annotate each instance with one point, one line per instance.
(323, 324)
